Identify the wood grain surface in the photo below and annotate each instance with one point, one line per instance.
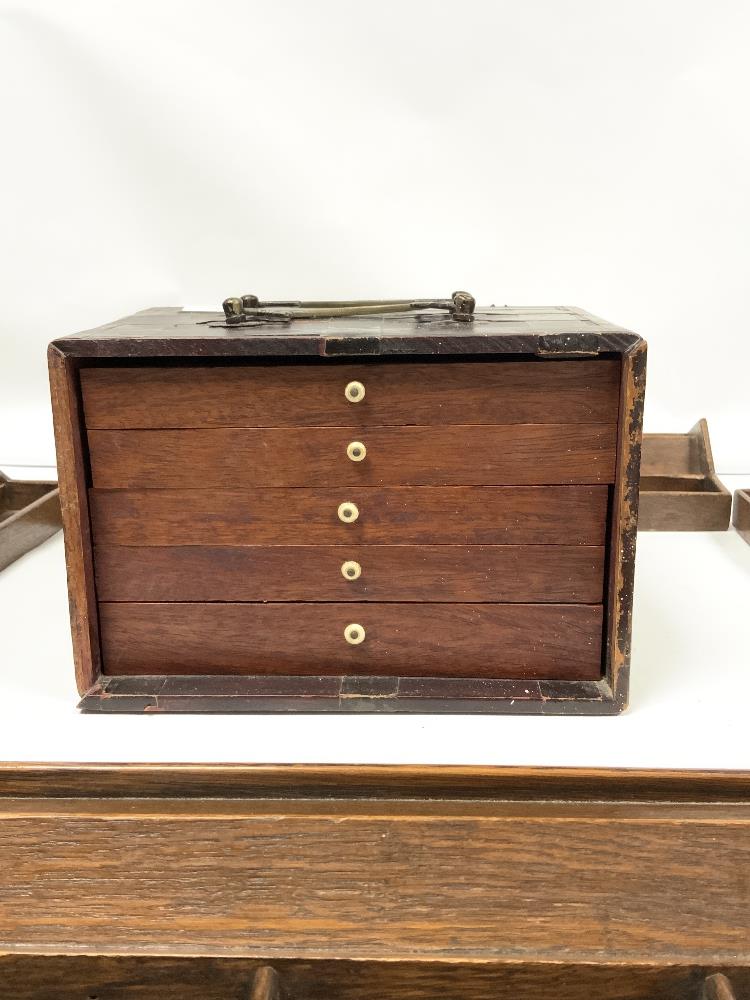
(486, 392)
(550, 870)
(227, 458)
(419, 640)
(434, 573)
(569, 515)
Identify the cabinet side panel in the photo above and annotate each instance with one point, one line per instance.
(71, 472)
(624, 527)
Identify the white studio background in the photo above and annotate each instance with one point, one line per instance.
(583, 152)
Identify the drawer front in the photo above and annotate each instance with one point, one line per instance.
(485, 392)
(482, 573)
(572, 515)
(540, 641)
(516, 454)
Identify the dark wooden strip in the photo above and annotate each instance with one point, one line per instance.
(490, 392)
(494, 640)
(229, 458)
(493, 573)
(509, 515)
(147, 977)
(391, 783)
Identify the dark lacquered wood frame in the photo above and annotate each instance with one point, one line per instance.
(411, 883)
(102, 693)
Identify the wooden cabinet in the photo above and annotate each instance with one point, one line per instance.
(479, 480)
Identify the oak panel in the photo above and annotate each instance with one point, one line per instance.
(571, 515)
(494, 573)
(488, 392)
(419, 640)
(376, 866)
(228, 458)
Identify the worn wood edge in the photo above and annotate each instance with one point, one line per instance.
(75, 519)
(625, 525)
(347, 694)
(389, 782)
(280, 958)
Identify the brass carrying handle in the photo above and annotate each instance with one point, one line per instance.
(249, 308)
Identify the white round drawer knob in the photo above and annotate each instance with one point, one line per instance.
(356, 451)
(351, 570)
(354, 634)
(355, 392)
(348, 512)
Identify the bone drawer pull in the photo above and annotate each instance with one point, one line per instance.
(356, 451)
(355, 392)
(354, 634)
(348, 512)
(351, 570)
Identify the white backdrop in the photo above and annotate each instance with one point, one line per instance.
(576, 152)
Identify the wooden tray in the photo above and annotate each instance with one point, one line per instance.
(29, 514)
(741, 513)
(679, 488)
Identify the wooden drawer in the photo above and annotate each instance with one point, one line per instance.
(482, 573)
(574, 515)
(484, 392)
(232, 458)
(404, 640)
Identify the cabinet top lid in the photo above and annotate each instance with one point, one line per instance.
(171, 332)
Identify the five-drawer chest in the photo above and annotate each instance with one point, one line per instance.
(395, 512)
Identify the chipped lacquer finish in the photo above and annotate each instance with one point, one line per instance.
(29, 514)
(680, 490)
(228, 461)
(357, 883)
